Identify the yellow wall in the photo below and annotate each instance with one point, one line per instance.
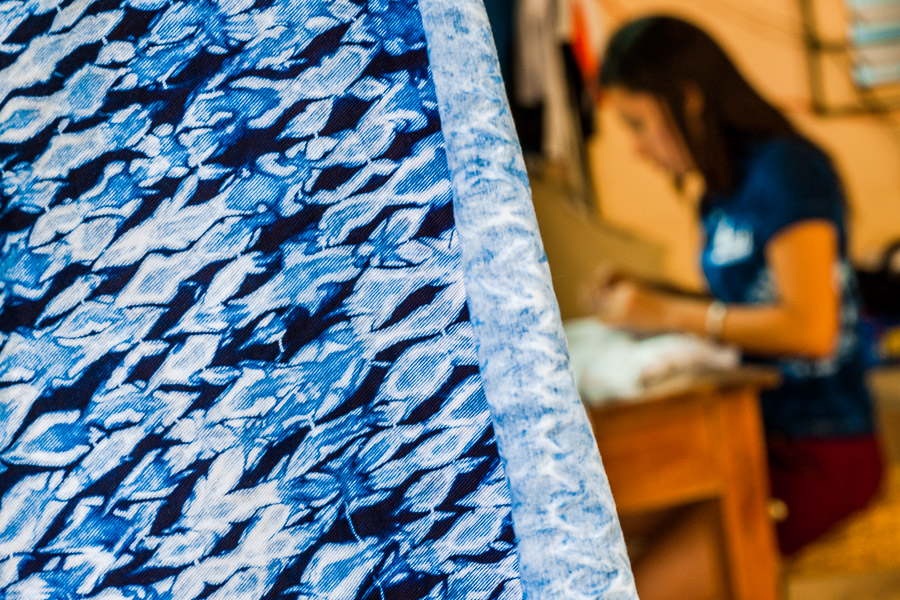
(764, 37)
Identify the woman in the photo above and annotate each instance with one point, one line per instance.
(774, 259)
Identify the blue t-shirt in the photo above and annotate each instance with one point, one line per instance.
(780, 183)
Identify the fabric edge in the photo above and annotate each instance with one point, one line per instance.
(570, 541)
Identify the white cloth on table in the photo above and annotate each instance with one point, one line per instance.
(610, 363)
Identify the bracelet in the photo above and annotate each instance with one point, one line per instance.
(715, 319)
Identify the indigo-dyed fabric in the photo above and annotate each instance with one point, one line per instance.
(237, 358)
(570, 544)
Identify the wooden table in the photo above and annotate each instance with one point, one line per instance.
(694, 439)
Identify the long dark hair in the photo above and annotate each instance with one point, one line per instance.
(663, 56)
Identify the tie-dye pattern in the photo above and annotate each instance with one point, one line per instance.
(236, 358)
(570, 543)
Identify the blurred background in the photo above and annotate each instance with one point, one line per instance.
(834, 67)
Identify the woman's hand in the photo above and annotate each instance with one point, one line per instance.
(627, 304)
(631, 305)
(597, 287)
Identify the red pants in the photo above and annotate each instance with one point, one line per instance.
(821, 482)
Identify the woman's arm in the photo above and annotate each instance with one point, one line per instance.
(803, 321)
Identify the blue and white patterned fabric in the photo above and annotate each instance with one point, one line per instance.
(274, 318)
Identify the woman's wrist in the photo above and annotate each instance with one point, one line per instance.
(714, 323)
(690, 315)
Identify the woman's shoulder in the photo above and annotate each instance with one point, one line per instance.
(778, 173)
(790, 180)
(787, 155)
(790, 165)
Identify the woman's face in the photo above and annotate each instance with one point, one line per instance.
(656, 135)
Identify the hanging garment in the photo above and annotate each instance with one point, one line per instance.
(583, 26)
(540, 78)
(274, 318)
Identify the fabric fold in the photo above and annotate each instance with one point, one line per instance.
(569, 540)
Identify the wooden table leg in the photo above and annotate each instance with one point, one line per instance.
(749, 535)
